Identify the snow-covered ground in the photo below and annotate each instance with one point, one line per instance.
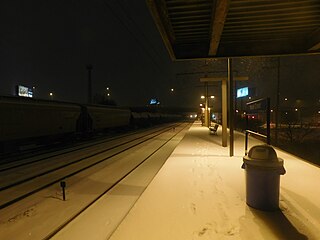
(37, 216)
(200, 194)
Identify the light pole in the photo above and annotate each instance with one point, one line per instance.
(212, 97)
(207, 109)
(33, 91)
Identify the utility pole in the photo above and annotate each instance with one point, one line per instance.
(89, 68)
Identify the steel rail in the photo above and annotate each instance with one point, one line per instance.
(64, 151)
(63, 225)
(60, 178)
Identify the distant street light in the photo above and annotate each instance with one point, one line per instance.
(172, 90)
(51, 95)
(108, 92)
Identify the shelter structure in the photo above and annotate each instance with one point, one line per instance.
(206, 29)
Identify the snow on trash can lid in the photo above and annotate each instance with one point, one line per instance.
(263, 152)
(263, 156)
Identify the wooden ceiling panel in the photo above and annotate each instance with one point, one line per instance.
(231, 28)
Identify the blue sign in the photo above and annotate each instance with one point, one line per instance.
(154, 101)
(242, 92)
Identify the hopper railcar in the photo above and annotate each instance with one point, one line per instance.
(32, 121)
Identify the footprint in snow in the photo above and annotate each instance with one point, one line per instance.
(193, 208)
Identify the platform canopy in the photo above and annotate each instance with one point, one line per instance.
(236, 28)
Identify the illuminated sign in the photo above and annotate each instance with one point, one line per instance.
(154, 101)
(242, 92)
(23, 91)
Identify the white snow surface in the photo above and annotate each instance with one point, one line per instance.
(200, 194)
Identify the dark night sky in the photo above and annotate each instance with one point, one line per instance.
(47, 44)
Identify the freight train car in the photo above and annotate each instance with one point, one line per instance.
(23, 118)
(102, 117)
(31, 121)
(140, 119)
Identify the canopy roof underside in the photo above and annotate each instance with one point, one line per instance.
(233, 28)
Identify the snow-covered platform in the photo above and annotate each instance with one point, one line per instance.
(200, 194)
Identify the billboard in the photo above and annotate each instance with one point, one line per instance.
(23, 91)
(242, 92)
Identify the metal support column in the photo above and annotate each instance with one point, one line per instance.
(268, 121)
(277, 113)
(224, 113)
(206, 113)
(231, 107)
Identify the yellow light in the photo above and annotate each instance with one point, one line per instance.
(202, 97)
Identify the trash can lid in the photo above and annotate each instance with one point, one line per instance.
(263, 152)
(263, 156)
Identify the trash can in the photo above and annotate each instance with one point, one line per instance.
(263, 169)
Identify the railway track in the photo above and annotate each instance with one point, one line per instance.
(43, 153)
(118, 167)
(32, 175)
(53, 234)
